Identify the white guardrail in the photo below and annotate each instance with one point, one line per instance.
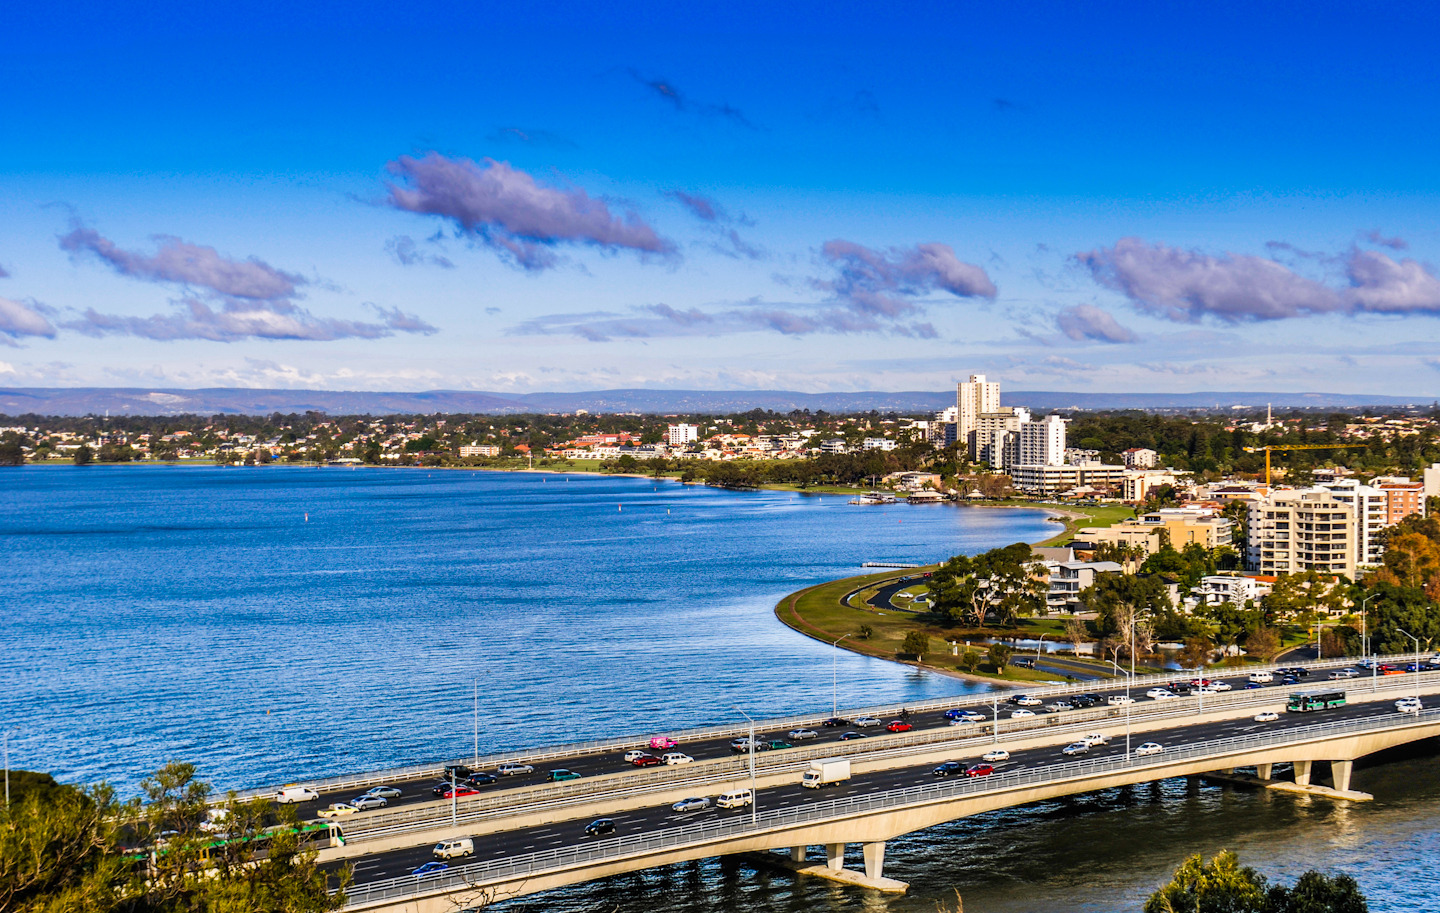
(480, 874)
(623, 743)
(706, 773)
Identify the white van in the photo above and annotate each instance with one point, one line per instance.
(449, 849)
(1261, 678)
(293, 794)
(736, 798)
(676, 757)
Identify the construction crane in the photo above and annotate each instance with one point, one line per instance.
(1271, 447)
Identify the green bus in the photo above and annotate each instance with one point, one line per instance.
(1305, 701)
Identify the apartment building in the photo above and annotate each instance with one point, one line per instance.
(479, 450)
(1140, 458)
(682, 434)
(1403, 497)
(1305, 529)
(1138, 483)
(1042, 443)
(1180, 526)
(1049, 481)
(996, 438)
(1234, 589)
(973, 399)
(1369, 511)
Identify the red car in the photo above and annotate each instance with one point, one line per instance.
(899, 726)
(461, 791)
(979, 770)
(647, 760)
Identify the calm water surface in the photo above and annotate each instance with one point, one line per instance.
(152, 613)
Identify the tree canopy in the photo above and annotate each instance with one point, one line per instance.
(999, 585)
(1223, 885)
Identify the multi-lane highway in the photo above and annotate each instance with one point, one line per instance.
(659, 817)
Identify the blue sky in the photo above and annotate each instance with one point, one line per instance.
(802, 196)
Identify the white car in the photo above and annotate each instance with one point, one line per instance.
(866, 722)
(1345, 673)
(970, 716)
(1076, 748)
(675, 757)
(1149, 748)
(510, 770)
(634, 753)
(1205, 690)
(1221, 686)
(1261, 678)
(1119, 700)
(337, 810)
(994, 755)
(1268, 716)
(1408, 705)
(1026, 700)
(1096, 738)
(1160, 694)
(1059, 706)
(1021, 714)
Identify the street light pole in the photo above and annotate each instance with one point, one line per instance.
(1039, 645)
(454, 798)
(754, 799)
(1127, 707)
(835, 677)
(1365, 643)
(1417, 661)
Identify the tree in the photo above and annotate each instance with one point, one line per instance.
(1004, 583)
(999, 655)
(970, 661)
(83, 455)
(1263, 642)
(1221, 885)
(917, 642)
(12, 453)
(1315, 892)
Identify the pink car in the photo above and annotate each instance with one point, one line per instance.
(663, 742)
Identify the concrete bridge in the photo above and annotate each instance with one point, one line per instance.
(892, 794)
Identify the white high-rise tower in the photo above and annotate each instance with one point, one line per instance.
(973, 399)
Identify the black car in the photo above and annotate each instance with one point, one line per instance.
(479, 778)
(835, 722)
(949, 769)
(1300, 672)
(458, 771)
(600, 827)
(1289, 680)
(847, 736)
(1084, 701)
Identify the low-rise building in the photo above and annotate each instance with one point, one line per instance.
(1050, 481)
(479, 450)
(1232, 588)
(1069, 579)
(1140, 458)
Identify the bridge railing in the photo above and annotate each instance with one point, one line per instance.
(479, 874)
(624, 743)
(707, 773)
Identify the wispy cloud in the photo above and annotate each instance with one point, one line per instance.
(1375, 236)
(18, 320)
(1187, 286)
(404, 250)
(721, 223)
(182, 263)
(509, 211)
(529, 137)
(666, 91)
(235, 320)
(1087, 322)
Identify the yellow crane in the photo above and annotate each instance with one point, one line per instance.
(1271, 447)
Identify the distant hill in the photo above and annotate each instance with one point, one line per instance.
(244, 401)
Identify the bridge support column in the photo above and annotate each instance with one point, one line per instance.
(875, 860)
(797, 853)
(1302, 773)
(1340, 773)
(1263, 771)
(835, 855)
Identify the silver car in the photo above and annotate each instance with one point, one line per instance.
(800, 735)
(384, 792)
(368, 801)
(510, 770)
(691, 805)
(865, 722)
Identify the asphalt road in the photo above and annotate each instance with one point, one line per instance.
(589, 765)
(569, 833)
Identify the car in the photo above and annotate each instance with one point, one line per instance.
(458, 791)
(979, 770)
(365, 801)
(384, 792)
(1200, 682)
(1289, 680)
(1026, 700)
(1095, 738)
(802, 735)
(1251, 686)
(995, 755)
(1149, 748)
(1160, 694)
(848, 736)
(482, 779)
(671, 758)
(1180, 688)
(1345, 673)
(430, 868)
(1021, 714)
(1058, 706)
(1261, 678)
(774, 745)
(292, 794)
(697, 804)
(456, 771)
(1408, 705)
(899, 726)
(634, 753)
(458, 846)
(740, 745)
(1299, 672)
(1221, 686)
(600, 827)
(948, 768)
(835, 722)
(965, 716)
(1076, 748)
(867, 722)
(1414, 667)
(647, 760)
(1085, 701)
(560, 775)
(662, 742)
(514, 770)
(337, 810)
(1269, 716)
(1119, 700)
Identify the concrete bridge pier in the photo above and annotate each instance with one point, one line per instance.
(797, 853)
(1302, 772)
(875, 860)
(1340, 773)
(1262, 771)
(835, 856)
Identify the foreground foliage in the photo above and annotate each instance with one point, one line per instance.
(1222, 885)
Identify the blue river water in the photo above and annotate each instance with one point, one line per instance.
(282, 623)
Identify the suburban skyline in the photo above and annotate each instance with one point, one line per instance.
(478, 197)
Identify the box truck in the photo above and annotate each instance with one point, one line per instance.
(826, 773)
